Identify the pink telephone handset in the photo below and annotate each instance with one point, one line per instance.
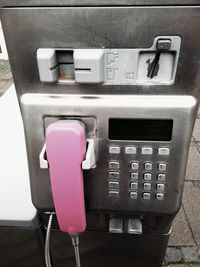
(66, 149)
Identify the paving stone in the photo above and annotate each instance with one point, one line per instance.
(191, 204)
(181, 234)
(196, 131)
(173, 255)
(190, 254)
(193, 165)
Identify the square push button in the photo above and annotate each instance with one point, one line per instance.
(113, 185)
(134, 186)
(161, 177)
(133, 195)
(159, 196)
(130, 150)
(134, 175)
(160, 187)
(114, 149)
(148, 166)
(163, 151)
(146, 196)
(162, 167)
(147, 150)
(113, 175)
(134, 166)
(114, 165)
(147, 186)
(147, 176)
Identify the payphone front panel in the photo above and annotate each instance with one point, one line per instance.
(73, 64)
(128, 73)
(141, 145)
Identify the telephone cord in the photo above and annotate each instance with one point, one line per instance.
(75, 243)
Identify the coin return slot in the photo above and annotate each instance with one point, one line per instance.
(156, 66)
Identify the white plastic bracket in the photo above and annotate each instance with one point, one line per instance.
(42, 158)
(88, 163)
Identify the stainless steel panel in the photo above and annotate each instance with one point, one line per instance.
(28, 29)
(181, 109)
(23, 3)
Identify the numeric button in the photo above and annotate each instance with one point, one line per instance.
(148, 166)
(147, 176)
(133, 195)
(162, 167)
(146, 196)
(134, 186)
(134, 165)
(161, 177)
(159, 196)
(113, 185)
(160, 187)
(134, 175)
(113, 175)
(147, 186)
(114, 165)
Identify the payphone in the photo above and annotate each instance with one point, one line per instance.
(108, 93)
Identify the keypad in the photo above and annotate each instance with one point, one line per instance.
(146, 174)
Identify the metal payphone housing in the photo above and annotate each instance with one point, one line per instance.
(102, 107)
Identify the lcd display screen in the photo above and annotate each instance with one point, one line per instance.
(140, 129)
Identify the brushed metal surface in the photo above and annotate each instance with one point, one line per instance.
(24, 3)
(28, 29)
(181, 109)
